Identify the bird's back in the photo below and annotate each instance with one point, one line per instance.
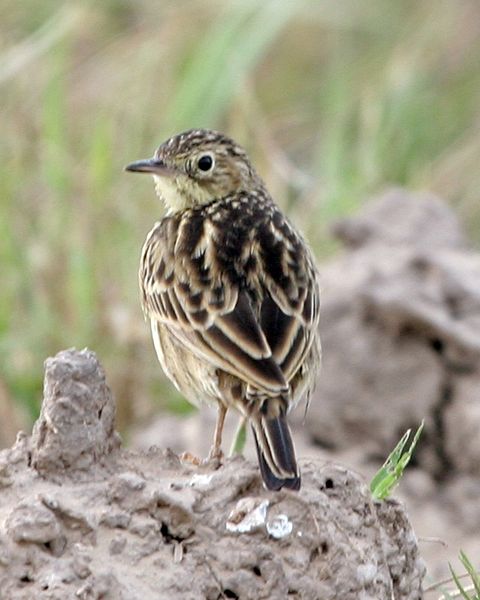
(239, 267)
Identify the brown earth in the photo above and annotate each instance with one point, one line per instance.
(401, 338)
(83, 518)
(400, 328)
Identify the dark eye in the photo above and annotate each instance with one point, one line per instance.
(205, 162)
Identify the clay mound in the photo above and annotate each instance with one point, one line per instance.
(83, 518)
(400, 329)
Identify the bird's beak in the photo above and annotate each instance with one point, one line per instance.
(150, 165)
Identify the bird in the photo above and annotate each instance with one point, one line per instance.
(230, 289)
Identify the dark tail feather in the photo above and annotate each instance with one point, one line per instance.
(276, 454)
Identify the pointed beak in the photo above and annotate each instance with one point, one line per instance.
(150, 165)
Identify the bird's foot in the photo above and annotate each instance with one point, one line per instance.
(214, 458)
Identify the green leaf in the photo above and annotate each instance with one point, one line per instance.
(390, 473)
(460, 587)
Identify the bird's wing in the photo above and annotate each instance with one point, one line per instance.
(205, 311)
(260, 329)
(290, 309)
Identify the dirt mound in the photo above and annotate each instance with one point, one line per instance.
(83, 518)
(401, 335)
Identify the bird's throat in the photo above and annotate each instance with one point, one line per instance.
(179, 193)
(169, 192)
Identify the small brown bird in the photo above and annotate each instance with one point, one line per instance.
(230, 289)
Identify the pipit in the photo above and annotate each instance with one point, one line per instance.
(230, 289)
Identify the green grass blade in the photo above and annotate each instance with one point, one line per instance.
(474, 574)
(459, 585)
(388, 476)
(239, 439)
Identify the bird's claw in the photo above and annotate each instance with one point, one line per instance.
(214, 458)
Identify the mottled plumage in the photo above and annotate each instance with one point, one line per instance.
(230, 290)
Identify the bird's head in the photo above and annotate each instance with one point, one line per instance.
(197, 167)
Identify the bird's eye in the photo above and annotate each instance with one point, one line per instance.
(205, 162)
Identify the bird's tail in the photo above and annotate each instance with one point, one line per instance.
(276, 454)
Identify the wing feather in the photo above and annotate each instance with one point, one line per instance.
(256, 325)
(290, 310)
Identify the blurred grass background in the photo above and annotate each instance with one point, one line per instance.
(334, 101)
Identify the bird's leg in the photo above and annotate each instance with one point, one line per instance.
(239, 438)
(216, 450)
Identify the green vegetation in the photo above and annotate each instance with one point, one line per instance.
(381, 487)
(334, 101)
(389, 475)
(470, 592)
(465, 591)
